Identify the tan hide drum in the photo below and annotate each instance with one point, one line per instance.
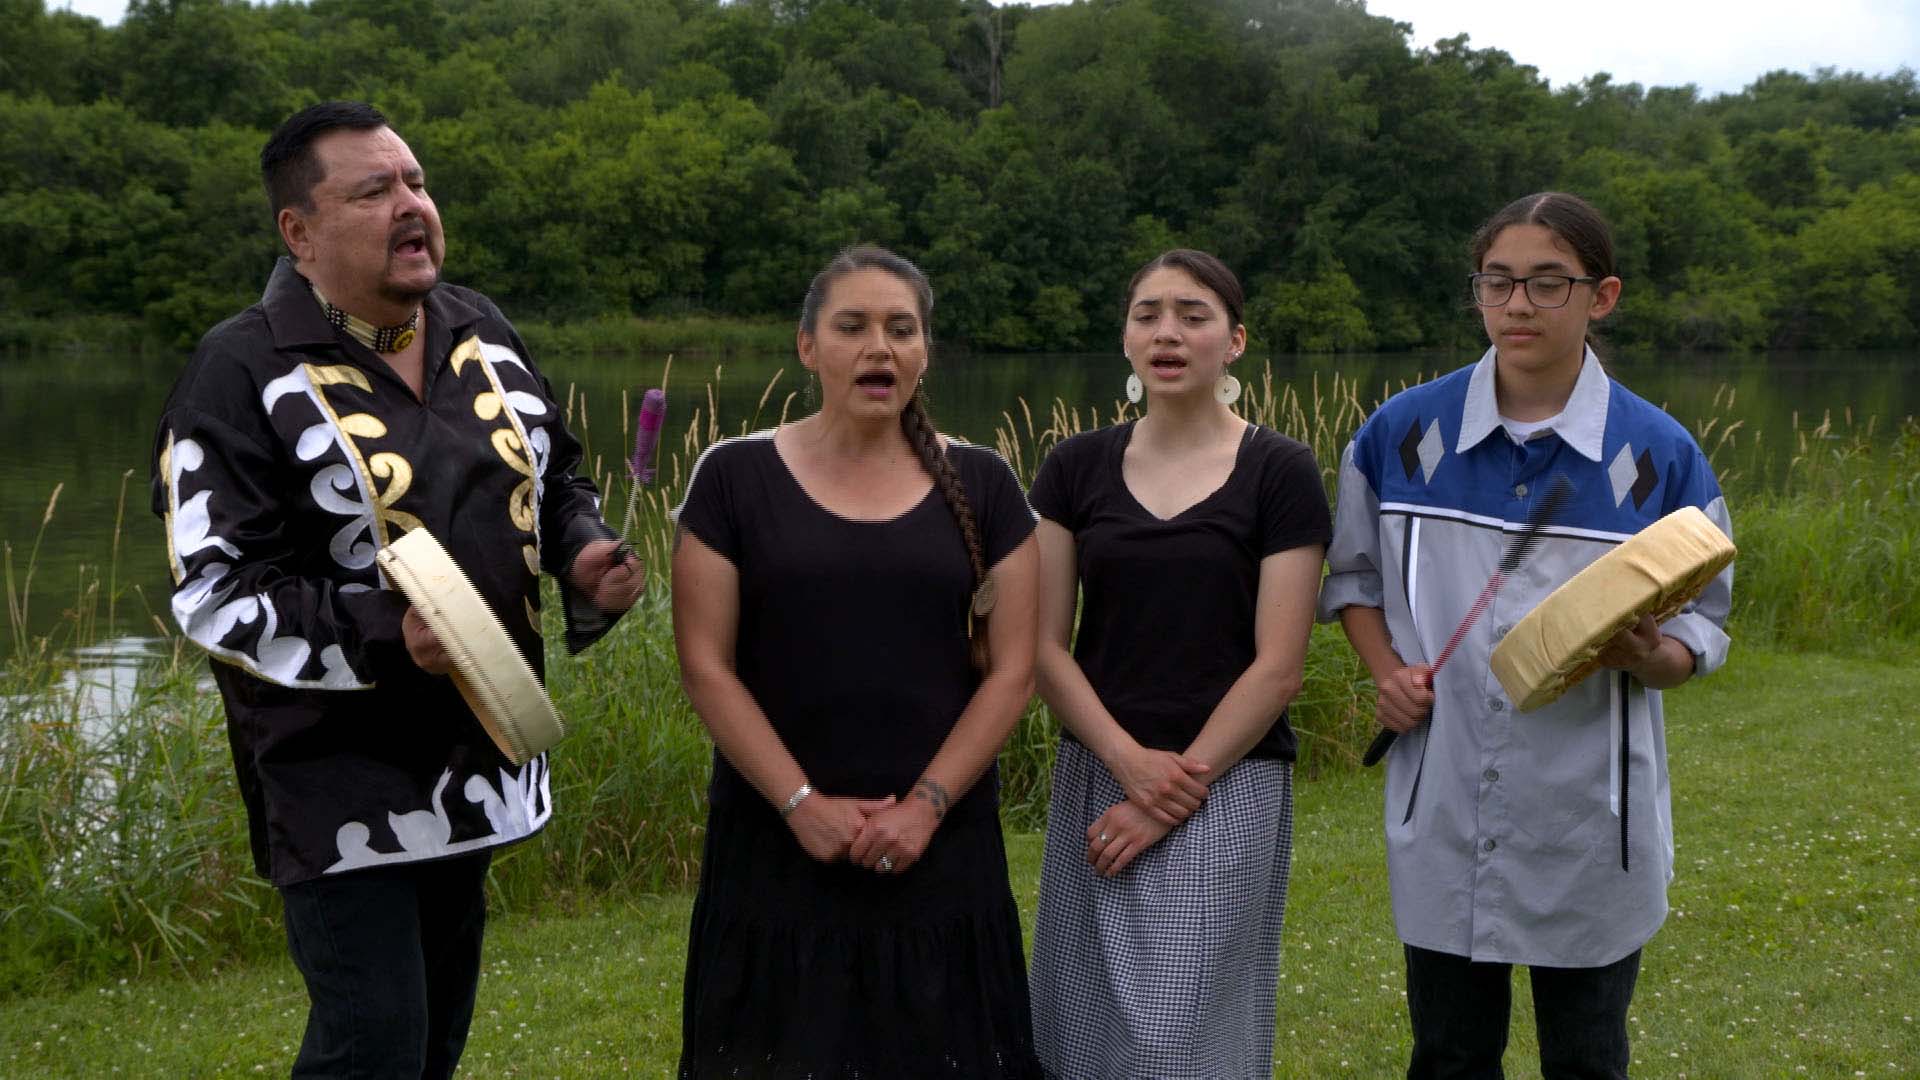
(496, 680)
(1656, 572)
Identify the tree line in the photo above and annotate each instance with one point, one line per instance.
(655, 157)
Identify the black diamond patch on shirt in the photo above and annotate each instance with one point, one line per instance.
(1410, 449)
(1648, 479)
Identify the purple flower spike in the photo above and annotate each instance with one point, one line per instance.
(646, 435)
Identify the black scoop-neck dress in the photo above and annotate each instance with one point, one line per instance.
(852, 639)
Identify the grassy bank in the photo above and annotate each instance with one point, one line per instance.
(122, 846)
(1788, 952)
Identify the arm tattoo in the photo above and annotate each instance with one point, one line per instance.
(934, 795)
(679, 534)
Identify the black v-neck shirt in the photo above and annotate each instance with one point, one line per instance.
(1167, 612)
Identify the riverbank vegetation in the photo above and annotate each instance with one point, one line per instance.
(665, 158)
(122, 841)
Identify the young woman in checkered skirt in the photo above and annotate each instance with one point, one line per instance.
(1193, 540)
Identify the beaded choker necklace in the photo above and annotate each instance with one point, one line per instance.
(381, 339)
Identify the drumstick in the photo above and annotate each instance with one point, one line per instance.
(1518, 549)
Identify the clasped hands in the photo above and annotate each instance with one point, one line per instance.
(864, 831)
(1163, 789)
(605, 572)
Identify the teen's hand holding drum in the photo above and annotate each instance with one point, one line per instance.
(1641, 650)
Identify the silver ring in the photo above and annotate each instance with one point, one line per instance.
(1104, 838)
(885, 865)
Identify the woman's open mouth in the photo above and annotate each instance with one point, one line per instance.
(876, 384)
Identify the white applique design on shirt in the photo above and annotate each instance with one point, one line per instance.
(1623, 472)
(519, 806)
(1432, 450)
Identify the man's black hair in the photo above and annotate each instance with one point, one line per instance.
(288, 165)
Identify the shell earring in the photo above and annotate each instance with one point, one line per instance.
(1135, 388)
(1226, 389)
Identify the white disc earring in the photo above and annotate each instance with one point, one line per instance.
(1226, 390)
(1135, 388)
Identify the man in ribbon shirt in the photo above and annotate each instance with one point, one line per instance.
(362, 397)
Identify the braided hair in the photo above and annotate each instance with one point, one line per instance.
(916, 424)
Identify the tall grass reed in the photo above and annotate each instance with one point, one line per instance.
(121, 841)
(1828, 530)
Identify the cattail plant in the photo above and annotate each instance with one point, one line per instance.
(646, 446)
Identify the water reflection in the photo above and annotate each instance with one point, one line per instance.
(104, 680)
(97, 686)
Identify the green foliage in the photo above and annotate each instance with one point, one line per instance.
(1322, 315)
(609, 159)
(1854, 271)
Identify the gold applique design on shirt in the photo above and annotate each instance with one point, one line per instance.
(393, 468)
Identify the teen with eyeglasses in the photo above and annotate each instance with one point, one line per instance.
(1542, 838)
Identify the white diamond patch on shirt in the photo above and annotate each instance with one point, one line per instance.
(1432, 449)
(1623, 473)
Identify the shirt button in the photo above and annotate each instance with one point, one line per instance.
(1502, 631)
(1519, 491)
(1489, 845)
(1490, 775)
(1496, 704)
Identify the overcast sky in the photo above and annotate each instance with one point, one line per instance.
(1718, 45)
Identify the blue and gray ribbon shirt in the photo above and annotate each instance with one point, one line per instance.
(1543, 837)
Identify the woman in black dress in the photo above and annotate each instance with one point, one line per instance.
(854, 610)
(1194, 540)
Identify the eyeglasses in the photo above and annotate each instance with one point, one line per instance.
(1544, 290)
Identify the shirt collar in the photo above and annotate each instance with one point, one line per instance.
(297, 321)
(1581, 425)
(292, 313)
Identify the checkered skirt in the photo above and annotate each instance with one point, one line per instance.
(1168, 970)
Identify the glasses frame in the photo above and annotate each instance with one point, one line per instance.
(1473, 288)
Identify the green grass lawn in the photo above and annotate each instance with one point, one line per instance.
(1793, 949)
